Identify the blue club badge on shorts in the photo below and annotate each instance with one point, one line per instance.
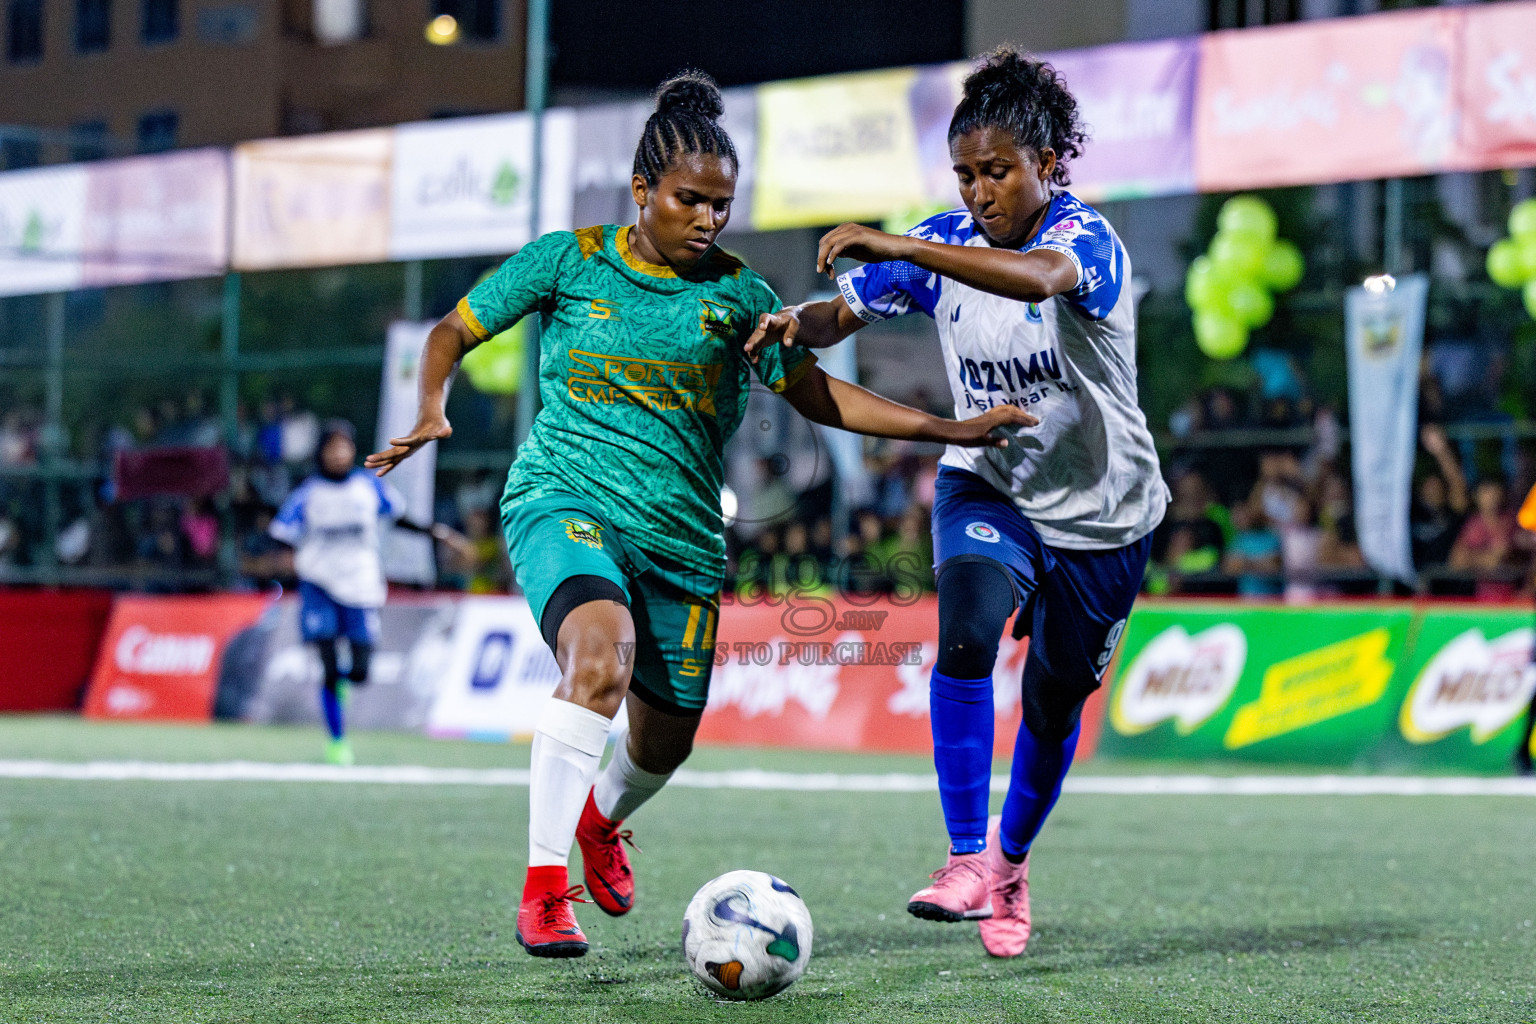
(984, 532)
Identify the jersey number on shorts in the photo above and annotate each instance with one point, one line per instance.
(696, 639)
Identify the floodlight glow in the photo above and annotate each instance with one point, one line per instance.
(728, 506)
(1380, 284)
(443, 30)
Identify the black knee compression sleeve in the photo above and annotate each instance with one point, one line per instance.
(362, 655)
(1051, 710)
(976, 597)
(328, 662)
(570, 594)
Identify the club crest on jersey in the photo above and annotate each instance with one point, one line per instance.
(1032, 313)
(983, 532)
(717, 320)
(583, 532)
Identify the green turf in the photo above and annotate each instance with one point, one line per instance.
(224, 902)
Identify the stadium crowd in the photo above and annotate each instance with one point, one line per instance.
(1262, 504)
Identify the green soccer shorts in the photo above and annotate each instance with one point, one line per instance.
(553, 538)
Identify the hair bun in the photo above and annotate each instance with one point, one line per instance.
(1004, 64)
(693, 91)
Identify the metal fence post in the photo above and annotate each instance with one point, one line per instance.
(229, 418)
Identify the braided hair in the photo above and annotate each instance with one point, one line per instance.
(687, 120)
(1026, 98)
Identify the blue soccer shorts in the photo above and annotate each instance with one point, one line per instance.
(322, 617)
(1075, 603)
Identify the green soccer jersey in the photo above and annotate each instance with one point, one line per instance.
(643, 380)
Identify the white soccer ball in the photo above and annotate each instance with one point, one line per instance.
(747, 935)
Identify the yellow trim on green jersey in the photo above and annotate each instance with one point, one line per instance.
(590, 241)
(471, 321)
(794, 375)
(621, 243)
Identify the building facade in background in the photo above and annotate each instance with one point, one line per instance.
(111, 77)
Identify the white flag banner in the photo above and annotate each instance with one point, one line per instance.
(408, 556)
(1384, 334)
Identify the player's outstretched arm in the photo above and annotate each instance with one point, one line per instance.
(1032, 276)
(809, 325)
(446, 345)
(837, 403)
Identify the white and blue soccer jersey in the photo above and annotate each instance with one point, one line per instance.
(1088, 475)
(333, 526)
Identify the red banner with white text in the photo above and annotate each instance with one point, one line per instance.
(160, 656)
(826, 674)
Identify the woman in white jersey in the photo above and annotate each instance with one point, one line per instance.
(1030, 289)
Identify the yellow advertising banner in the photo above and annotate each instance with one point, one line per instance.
(313, 201)
(838, 148)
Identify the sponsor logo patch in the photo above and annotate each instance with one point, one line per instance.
(983, 532)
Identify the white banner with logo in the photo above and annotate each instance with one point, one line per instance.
(42, 229)
(462, 187)
(408, 556)
(1384, 334)
(497, 674)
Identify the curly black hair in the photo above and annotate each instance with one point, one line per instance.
(687, 120)
(1025, 97)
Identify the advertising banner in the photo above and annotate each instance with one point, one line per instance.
(408, 557)
(604, 162)
(496, 674)
(271, 676)
(1137, 100)
(312, 201)
(826, 674)
(1498, 85)
(838, 148)
(1268, 684)
(160, 656)
(1329, 101)
(156, 218)
(48, 646)
(1467, 682)
(42, 229)
(1383, 334)
(460, 187)
(606, 137)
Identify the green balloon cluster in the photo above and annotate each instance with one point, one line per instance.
(1512, 260)
(1231, 288)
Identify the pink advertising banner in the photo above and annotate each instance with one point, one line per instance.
(1137, 100)
(156, 218)
(1333, 101)
(1498, 86)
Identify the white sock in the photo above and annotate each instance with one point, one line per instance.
(623, 786)
(567, 747)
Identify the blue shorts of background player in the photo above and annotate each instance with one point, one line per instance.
(322, 617)
(323, 621)
(1073, 604)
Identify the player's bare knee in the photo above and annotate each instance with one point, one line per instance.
(596, 679)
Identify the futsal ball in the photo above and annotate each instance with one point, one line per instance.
(747, 935)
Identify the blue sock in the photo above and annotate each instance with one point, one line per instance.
(1038, 770)
(960, 711)
(330, 703)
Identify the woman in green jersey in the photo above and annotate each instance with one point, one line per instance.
(612, 508)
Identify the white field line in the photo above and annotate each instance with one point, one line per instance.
(752, 779)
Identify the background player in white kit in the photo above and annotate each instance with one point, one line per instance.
(1031, 292)
(332, 522)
